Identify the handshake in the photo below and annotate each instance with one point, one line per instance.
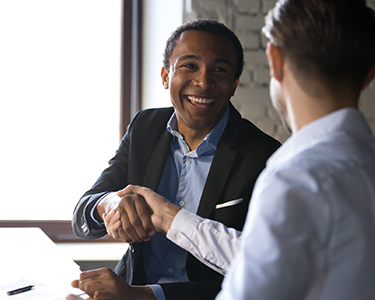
(135, 213)
(132, 215)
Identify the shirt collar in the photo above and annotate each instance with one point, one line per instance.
(347, 120)
(211, 140)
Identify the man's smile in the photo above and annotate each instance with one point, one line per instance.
(199, 100)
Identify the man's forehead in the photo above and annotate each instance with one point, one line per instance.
(192, 34)
(191, 42)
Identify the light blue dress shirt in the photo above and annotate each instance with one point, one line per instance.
(181, 183)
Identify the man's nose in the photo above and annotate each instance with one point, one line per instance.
(204, 79)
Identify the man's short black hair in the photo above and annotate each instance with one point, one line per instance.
(333, 40)
(210, 26)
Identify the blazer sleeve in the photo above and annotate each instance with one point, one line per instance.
(112, 179)
(127, 166)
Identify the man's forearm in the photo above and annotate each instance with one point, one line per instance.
(209, 241)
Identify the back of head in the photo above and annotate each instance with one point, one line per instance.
(210, 26)
(331, 40)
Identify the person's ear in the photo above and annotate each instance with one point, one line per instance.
(164, 78)
(370, 76)
(275, 61)
(235, 85)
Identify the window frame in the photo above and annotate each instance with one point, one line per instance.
(60, 231)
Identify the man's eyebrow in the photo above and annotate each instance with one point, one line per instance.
(225, 61)
(192, 56)
(189, 56)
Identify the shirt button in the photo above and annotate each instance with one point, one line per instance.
(182, 203)
(187, 163)
(170, 270)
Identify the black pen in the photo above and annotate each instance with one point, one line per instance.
(20, 290)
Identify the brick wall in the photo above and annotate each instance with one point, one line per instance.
(246, 18)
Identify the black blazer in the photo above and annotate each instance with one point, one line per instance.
(140, 159)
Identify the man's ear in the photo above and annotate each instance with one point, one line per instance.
(235, 85)
(370, 76)
(275, 61)
(164, 78)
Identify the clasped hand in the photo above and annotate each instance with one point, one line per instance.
(133, 215)
(138, 215)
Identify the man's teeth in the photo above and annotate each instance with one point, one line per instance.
(200, 100)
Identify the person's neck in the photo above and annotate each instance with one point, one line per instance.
(304, 108)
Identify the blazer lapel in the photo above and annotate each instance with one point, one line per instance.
(216, 180)
(156, 166)
(221, 165)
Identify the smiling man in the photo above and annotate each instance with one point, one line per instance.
(199, 154)
(200, 101)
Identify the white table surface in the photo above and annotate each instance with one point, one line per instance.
(29, 254)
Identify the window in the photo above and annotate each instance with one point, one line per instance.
(59, 102)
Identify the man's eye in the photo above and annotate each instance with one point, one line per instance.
(219, 69)
(189, 66)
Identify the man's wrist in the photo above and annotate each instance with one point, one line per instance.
(105, 203)
(168, 213)
(100, 208)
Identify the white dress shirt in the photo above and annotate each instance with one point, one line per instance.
(310, 229)
(209, 241)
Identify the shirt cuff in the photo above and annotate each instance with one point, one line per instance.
(184, 225)
(93, 220)
(158, 291)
